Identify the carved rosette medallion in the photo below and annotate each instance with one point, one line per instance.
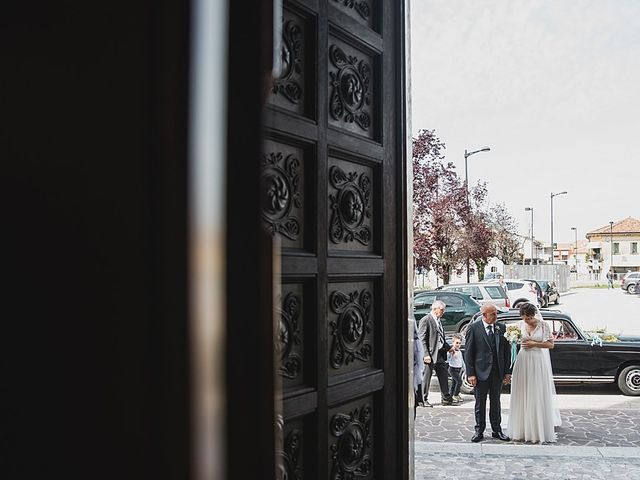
(288, 462)
(349, 206)
(279, 194)
(349, 88)
(351, 328)
(286, 83)
(350, 452)
(288, 336)
(362, 7)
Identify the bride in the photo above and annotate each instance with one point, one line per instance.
(532, 416)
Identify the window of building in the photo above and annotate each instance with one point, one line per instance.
(634, 247)
(616, 248)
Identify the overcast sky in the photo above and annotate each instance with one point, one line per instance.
(552, 87)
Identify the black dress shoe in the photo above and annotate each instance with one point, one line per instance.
(500, 436)
(477, 437)
(447, 402)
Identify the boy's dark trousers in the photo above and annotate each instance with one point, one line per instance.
(456, 380)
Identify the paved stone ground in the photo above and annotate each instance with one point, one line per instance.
(479, 462)
(599, 428)
(599, 439)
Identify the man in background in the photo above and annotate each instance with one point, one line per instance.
(435, 347)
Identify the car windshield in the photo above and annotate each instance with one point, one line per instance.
(543, 283)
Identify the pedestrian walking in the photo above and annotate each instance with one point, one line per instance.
(609, 279)
(436, 347)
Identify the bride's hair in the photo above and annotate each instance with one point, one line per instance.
(528, 310)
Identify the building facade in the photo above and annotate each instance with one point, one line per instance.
(614, 247)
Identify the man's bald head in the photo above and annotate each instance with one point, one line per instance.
(489, 313)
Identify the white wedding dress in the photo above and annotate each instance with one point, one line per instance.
(532, 414)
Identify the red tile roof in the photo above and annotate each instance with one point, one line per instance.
(628, 225)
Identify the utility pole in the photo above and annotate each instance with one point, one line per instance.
(466, 185)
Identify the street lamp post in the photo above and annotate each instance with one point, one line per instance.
(575, 250)
(530, 209)
(611, 248)
(466, 185)
(552, 247)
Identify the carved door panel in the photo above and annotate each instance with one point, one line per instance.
(330, 189)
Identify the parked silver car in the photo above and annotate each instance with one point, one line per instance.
(629, 281)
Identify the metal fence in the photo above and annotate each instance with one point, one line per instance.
(557, 273)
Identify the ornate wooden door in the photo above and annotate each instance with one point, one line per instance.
(333, 194)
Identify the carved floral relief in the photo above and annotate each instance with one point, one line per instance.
(287, 83)
(360, 6)
(352, 327)
(279, 185)
(288, 335)
(288, 466)
(350, 206)
(352, 446)
(350, 97)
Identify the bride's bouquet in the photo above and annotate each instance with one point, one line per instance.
(513, 334)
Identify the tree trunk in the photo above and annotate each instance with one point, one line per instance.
(480, 266)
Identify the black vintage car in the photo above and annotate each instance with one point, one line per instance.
(579, 357)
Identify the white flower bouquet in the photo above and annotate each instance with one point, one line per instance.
(513, 334)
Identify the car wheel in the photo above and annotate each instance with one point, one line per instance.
(464, 326)
(629, 380)
(631, 288)
(466, 387)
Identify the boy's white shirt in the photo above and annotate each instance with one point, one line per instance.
(455, 359)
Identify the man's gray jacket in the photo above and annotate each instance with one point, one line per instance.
(432, 340)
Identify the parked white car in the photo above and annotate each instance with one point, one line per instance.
(493, 293)
(520, 291)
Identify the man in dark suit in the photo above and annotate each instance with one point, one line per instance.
(418, 368)
(435, 346)
(488, 365)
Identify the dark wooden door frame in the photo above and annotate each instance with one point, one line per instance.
(250, 361)
(250, 371)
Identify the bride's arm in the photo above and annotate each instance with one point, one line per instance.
(533, 344)
(547, 335)
(548, 343)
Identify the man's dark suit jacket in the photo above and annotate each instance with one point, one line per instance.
(478, 357)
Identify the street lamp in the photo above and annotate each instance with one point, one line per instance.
(611, 248)
(530, 209)
(553, 195)
(575, 251)
(467, 155)
(466, 185)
